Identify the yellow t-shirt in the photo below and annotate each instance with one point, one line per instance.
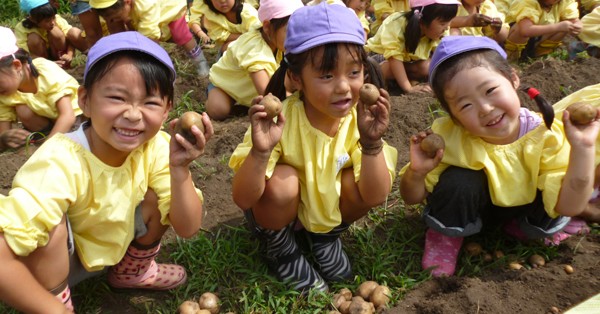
(63, 177)
(319, 159)
(487, 8)
(516, 171)
(21, 32)
(531, 9)
(53, 84)
(588, 5)
(503, 6)
(247, 54)
(589, 94)
(196, 9)
(389, 41)
(152, 17)
(382, 7)
(590, 33)
(219, 28)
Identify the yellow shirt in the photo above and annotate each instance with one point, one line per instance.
(152, 17)
(21, 32)
(487, 8)
(589, 94)
(588, 5)
(503, 6)
(319, 159)
(382, 7)
(196, 9)
(53, 84)
(531, 9)
(516, 171)
(389, 41)
(590, 33)
(247, 54)
(63, 177)
(219, 28)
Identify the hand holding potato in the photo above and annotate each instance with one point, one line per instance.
(421, 161)
(266, 132)
(189, 135)
(373, 120)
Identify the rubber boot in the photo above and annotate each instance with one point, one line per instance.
(197, 56)
(285, 258)
(441, 253)
(63, 294)
(139, 270)
(333, 263)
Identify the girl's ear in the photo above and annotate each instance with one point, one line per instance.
(295, 80)
(267, 27)
(82, 100)
(515, 79)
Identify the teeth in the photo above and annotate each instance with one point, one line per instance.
(495, 121)
(128, 132)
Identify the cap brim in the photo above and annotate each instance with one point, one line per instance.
(326, 39)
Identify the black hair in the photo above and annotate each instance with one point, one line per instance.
(544, 105)
(295, 62)
(22, 56)
(116, 7)
(428, 13)
(38, 14)
(237, 8)
(156, 75)
(279, 22)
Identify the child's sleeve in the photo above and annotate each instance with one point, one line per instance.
(7, 107)
(149, 18)
(250, 18)
(57, 83)
(591, 28)
(568, 10)
(392, 38)
(196, 13)
(524, 9)
(243, 149)
(64, 26)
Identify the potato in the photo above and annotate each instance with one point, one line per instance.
(536, 260)
(515, 266)
(361, 307)
(368, 94)
(203, 311)
(346, 293)
(581, 113)
(185, 123)
(188, 307)
(473, 249)
(365, 289)
(487, 257)
(337, 300)
(209, 301)
(345, 307)
(498, 254)
(272, 105)
(380, 296)
(432, 143)
(568, 269)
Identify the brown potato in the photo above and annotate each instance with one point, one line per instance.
(432, 143)
(581, 113)
(361, 307)
(498, 254)
(536, 260)
(473, 249)
(188, 307)
(380, 296)
(185, 123)
(346, 293)
(368, 94)
(364, 289)
(272, 105)
(345, 307)
(515, 266)
(209, 301)
(568, 269)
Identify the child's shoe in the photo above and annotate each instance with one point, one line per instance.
(327, 248)
(139, 270)
(556, 238)
(512, 229)
(577, 226)
(441, 253)
(197, 56)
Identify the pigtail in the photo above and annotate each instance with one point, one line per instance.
(276, 84)
(545, 107)
(412, 33)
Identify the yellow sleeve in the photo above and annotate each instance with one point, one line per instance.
(21, 33)
(148, 13)
(196, 12)
(63, 24)
(389, 40)
(591, 28)
(41, 193)
(54, 83)
(568, 10)
(524, 9)
(382, 7)
(250, 18)
(243, 149)
(363, 21)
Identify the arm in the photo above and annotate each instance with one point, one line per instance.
(66, 116)
(11, 138)
(399, 73)
(471, 20)
(528, 29)
(20, 289)
(249, 181)
(260, 79)
(185, 214)
(197, 30)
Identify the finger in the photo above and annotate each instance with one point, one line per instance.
(280, 120)
(208, 127)
(172, 124)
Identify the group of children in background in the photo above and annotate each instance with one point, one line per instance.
(99, 194)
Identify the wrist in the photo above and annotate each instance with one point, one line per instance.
(260, 155)
(370, 147)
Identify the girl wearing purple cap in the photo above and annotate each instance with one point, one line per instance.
(322, 164)
(405, 41)
(105, 194)
(503, 165)
(245, 70)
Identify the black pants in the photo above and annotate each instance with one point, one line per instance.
(460, 205)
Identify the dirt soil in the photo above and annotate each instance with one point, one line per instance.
(496, 291)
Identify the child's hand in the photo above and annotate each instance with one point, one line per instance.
(420, 88)
(182, 152)
(420, 162)
(266, 133)
(582, 136)
(478, 20)
(373, 120)
(575, 28)
(14, 138)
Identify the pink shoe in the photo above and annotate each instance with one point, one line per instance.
(577, 226)
(441, 253)
(139, 270)
(556, 238)
(512, 229)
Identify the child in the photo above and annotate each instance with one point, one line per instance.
(502, 164)
(225, 20)
(406, 40)
(94, 26)
(590, 32)
(480, 18)
(385, 8)
(323, 164)
(107, 191)
(540, 25)
(360, 7)
(157, 20)
(38, 93)
(43, 33)
(245, 69)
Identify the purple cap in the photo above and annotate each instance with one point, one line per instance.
(312, 26)
(131, 40)
(451, 46)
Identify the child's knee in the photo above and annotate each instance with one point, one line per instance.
(284, 185)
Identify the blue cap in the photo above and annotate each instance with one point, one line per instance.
(28, 5)
(313, 26)
(451, 46)
(131, 40)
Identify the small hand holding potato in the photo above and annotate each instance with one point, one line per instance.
(368, 94)
(432, 143)
(272, 105)
(581, 113)
(185, 123)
